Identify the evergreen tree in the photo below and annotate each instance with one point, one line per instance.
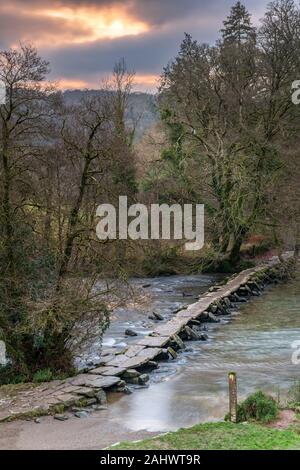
(238, 27)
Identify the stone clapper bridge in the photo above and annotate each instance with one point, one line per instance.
(117, 369)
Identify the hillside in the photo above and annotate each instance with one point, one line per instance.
(142, 109)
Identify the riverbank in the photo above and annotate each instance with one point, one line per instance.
(220, 436)
(87, 434)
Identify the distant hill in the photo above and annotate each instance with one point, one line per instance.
(142, 108)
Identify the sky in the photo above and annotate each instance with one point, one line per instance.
(83, 39)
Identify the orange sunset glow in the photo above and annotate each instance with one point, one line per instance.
(82, 24)
(83, 39)
(96, 23)
(79, 25)
(140, 81)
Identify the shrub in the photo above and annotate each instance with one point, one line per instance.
(257, 407)
(294, 394)
(260, 407)
(8, 375)
(162, 262)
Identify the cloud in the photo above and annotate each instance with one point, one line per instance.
(152, 11)
(84, 38)
(23, 27)
(58, 23)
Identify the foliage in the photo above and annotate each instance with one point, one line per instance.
(294, 394)
(257, 407)
(162, 262)
(56, 161)
(9, 375)
(43, 375)
(228, 118)
(238, 27)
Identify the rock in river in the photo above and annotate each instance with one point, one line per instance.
(131, 374)
(191, 333)
(143, 379)
(158, 316)
(130, 332)
(101, 397)
(172, 353)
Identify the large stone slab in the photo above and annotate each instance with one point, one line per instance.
(154, 341)
(172, 327)
(104, 360)
(144, 356)
(110, 371)
(86, 392)
(118, 361)
(95, 381)
(67, 399)
(134, 350)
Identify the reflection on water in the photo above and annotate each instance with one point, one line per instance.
(255, 342)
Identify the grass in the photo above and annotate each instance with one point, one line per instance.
(220, 436)
(12, 389)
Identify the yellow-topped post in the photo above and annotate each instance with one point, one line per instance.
(232, 396)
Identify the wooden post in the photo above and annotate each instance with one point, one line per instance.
(232, 397)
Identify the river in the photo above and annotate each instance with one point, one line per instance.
(256, 342)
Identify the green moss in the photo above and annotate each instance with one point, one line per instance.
(220, 436)
(12, 390)
(61, 408)
(58, 409)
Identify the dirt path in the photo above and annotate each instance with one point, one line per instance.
(93, 433)
(286, 418)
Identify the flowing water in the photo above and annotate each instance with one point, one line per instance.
(165, 294)
(256, 342)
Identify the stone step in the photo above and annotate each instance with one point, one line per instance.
(139, 360)
(95, 381)
(154, 341)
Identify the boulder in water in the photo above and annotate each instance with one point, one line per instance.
(131, 374)
(152, 317)
(178, 341)
(227, 302)
(158, 316)
(163, 355)
(211, 318)
(172, 353)
(213, 308)
(130, 332)
(101, 397)
(191, 333)
(143, 379)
